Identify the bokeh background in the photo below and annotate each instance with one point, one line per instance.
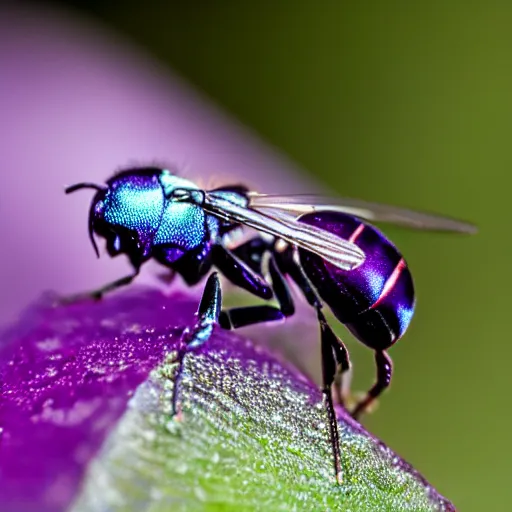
(400, 102)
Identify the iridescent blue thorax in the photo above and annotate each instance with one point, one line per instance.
(183, 226)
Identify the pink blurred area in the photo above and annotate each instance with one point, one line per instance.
(76, 104)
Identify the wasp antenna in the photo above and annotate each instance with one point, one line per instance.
(78, 186)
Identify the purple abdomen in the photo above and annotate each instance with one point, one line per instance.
(376, 300)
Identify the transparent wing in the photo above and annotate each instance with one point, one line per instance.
(333, 249)
(305, 203)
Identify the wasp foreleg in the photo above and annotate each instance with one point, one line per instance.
(99, 292)
(207, 316)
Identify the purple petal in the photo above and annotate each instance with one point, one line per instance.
(67, 375)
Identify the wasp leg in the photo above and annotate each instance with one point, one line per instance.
(384, 373)
(99, 292)
(211, 301)
(290, 267)
(281, 289)
(239, 273)
(207, 315)
(335, 362)
(235, 318)
(251, 252)
(340, 353)
(250, 315)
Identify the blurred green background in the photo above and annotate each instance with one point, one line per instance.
(401, 102)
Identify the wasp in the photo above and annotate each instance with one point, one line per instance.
(325, 246)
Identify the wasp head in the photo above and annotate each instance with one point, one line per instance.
(126, 212)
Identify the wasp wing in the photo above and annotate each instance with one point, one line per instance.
(374, 212)
(333, 249)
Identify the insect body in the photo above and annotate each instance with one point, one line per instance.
(323, 246)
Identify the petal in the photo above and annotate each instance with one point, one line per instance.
(87, 421)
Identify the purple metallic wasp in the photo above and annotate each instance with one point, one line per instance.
(322, 245)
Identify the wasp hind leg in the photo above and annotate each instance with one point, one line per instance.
(384, 373)
(335, 362)
(290, 267)
(334, 355)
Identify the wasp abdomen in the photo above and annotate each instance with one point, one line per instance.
(376, 300)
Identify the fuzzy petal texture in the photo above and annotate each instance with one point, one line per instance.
(86, 421)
